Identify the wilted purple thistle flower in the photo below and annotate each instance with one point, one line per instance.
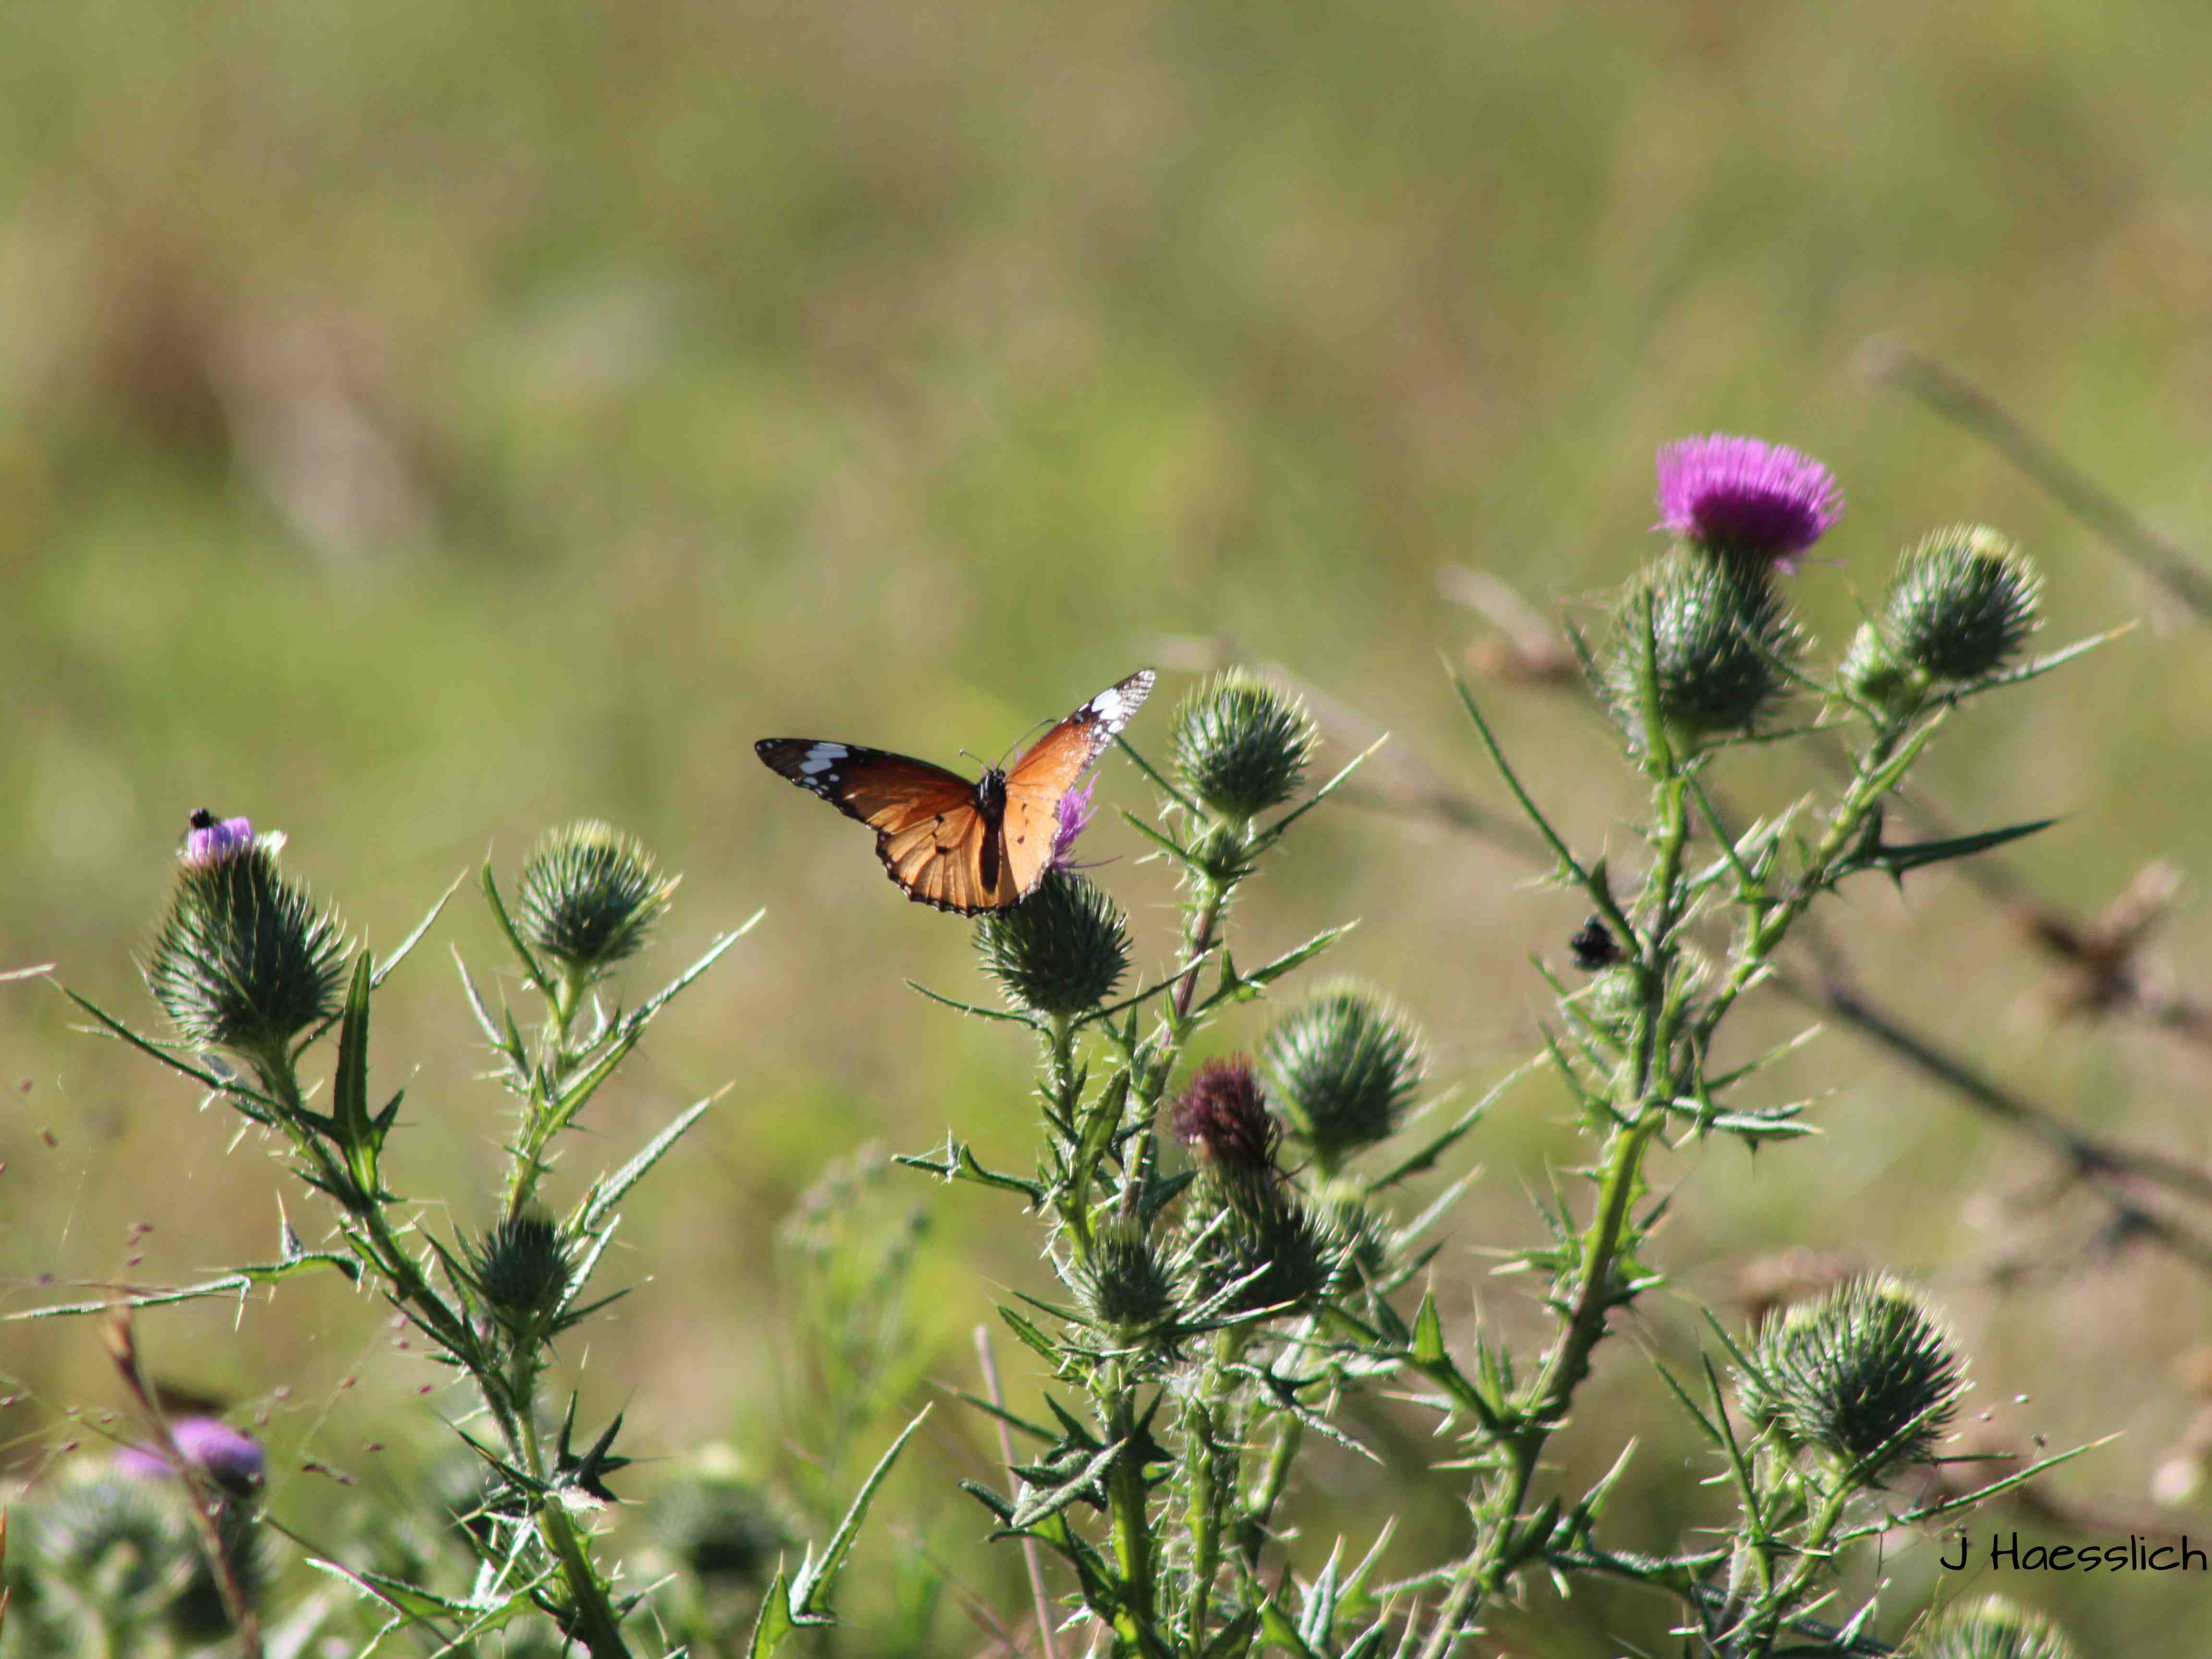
(231, 1458)
(212, 839)
(1075, 815)
(1759, 501)
(1224, 1119)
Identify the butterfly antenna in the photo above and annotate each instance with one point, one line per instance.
(1023, 742)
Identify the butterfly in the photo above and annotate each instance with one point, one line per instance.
(961, 845)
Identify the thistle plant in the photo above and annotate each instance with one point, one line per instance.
(1231, 1268)
(254, 972)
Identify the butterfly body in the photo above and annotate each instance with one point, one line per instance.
(961, 846)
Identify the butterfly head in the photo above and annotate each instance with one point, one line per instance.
(991, 792)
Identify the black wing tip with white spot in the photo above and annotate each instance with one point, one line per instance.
(1117, 705)
(815, 764)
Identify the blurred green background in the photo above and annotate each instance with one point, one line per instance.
(421, 425)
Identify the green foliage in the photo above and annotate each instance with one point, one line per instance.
(245, 961)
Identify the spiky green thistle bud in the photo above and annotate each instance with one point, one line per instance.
(1992, 1628)
(243, 959)
(1061, 951)
(1125, 1285)
(1871, 673)
(723, 1528)
(1961, 604)
(123, 1545)
(1721, 639)
(1362, 1234)
(1287, 1256)
(1344, 1066)
(1862, 1372)
(1241, 746)
(590, 895)
(522, 1267)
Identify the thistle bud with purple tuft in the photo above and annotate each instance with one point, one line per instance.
(1224, 1119)
(243, 959)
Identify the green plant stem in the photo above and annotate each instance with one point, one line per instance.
(1203, 1458)
(1771, 1610)
(1212, 899)
(1134, 1614)
(509, 1401)
(592, 1618)
(554, 1060)
(1259, 1513)
(1649, 1081)
(1875, 776)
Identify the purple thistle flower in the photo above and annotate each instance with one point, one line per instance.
(1731, 495)
(1224, 1119)
(1075, 815)
(232, 1459)
(211, 839)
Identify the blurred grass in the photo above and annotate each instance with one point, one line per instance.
(419, 425)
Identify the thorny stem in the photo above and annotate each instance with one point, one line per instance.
(564, 996)
(1213, 898)
(592, 1618)
(1765, 927)
(1030, 1559)
(1650, 1081)
(1260, 1513)
(1125, 1498)
(1203, 1458)
(510, 1401)
(204, 1504)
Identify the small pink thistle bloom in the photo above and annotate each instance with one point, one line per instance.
(1075, 815)
(1739, 495)
(211, 841)
(233, 1460)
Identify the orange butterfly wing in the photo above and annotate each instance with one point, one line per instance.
(930, 831)
(943, 864)
(1041, 777)
(929, 828)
